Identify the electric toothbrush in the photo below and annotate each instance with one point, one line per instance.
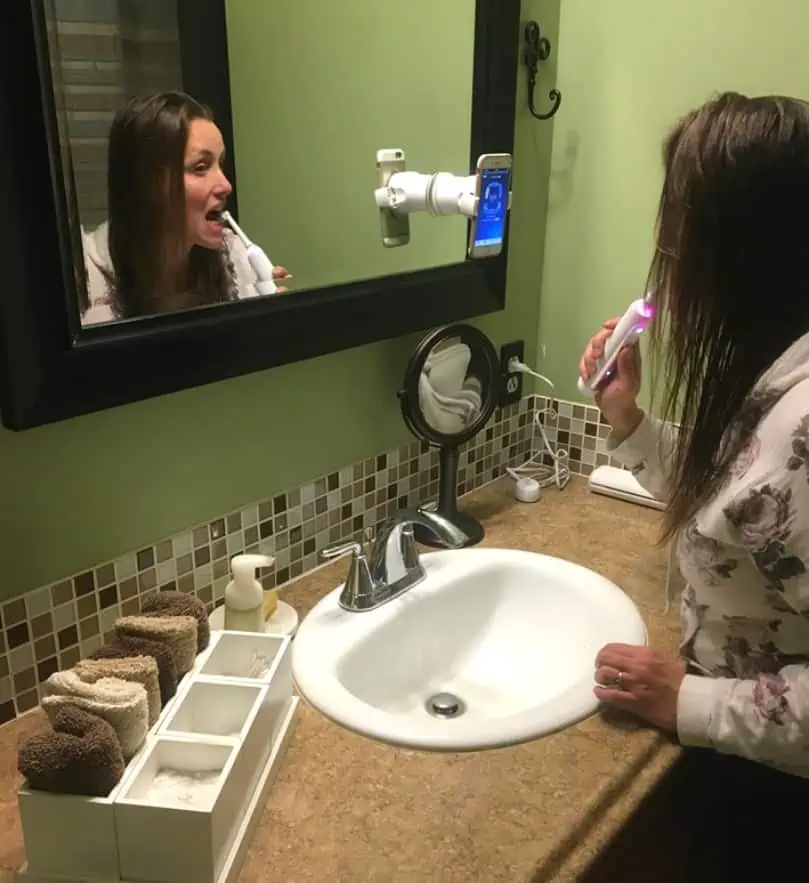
(256, 256)
(632, 324)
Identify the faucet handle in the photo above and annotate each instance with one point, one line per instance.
(335, 552)
(358, 589)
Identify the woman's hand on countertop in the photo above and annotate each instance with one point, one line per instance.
(640, 680)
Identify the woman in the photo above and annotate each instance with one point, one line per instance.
(164, 247)
(731, 284)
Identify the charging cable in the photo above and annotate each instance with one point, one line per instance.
(534, 475)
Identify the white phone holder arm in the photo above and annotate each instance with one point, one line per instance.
(439, 194)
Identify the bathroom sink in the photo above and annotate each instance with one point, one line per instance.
(493, 648)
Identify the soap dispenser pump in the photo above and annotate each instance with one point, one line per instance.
(244, 594)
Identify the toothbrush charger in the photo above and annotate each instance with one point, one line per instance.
(621, 484)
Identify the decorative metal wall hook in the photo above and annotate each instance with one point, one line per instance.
(538, 48)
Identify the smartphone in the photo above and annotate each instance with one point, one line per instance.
(395, 228)
(487, 231)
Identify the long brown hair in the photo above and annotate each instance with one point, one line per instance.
(731, 279)
(152, 267)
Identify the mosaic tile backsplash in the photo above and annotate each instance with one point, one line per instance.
(52, 627)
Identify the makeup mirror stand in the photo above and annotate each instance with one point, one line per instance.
(447, 505)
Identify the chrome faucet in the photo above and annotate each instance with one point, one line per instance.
(394, 565)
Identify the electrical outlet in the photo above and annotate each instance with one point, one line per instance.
(511, 388)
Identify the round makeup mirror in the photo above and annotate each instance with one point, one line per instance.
(450, 391)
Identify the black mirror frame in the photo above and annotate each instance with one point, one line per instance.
(51, 369)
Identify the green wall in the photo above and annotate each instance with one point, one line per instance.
(627, 70)
(81, 492)
(308, 128)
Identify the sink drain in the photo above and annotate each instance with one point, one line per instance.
(445, 705)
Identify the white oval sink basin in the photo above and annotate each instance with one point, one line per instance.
(512, 635)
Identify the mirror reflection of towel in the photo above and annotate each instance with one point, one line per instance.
(449, 400)
(446, 366)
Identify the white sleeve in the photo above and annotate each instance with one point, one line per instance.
(647, 453)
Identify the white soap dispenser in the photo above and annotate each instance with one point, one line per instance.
(244, 594)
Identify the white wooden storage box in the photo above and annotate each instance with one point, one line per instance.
(186, 805)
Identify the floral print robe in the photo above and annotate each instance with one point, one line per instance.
(745, 558)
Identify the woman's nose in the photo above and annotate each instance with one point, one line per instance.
(223, 186)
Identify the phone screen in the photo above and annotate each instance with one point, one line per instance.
(490, 224)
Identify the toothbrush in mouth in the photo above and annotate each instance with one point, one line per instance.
(256, 256)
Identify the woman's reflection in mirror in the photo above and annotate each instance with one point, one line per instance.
(164, 246)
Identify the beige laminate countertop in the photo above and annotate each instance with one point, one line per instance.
(346, 809)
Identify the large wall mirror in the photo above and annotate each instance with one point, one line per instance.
(153, 140)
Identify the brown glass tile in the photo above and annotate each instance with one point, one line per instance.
(7, 712)
(145, 558)
(41, 625)
(265, 529)
(89, 627)
(45, 647)
(202, 556)
(251, 535)
(185, 564)
(14, 612)
(265, 510)
(3, 666)
(221, 568)
(293, 499)
(71, 655)
(84, 583)
(17, 635)
(27, 701)
(147, 580)
(25, 680)
(128, 588)
(87, 605)
(200, 536)
(67, 637)
(46, 668)
(105, 576)
(107, 597)
(130, 607)
(186, 583)
(61, 593)
(219, 549)
(163, 551)
(205, 594)
(233, 523)
(217, 528)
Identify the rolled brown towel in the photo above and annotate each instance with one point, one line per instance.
(123, 704)
(180, 604)
(80, 755)
(123, 648)
(178, 633)
(139, 669)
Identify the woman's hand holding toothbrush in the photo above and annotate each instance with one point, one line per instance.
(617, 398)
